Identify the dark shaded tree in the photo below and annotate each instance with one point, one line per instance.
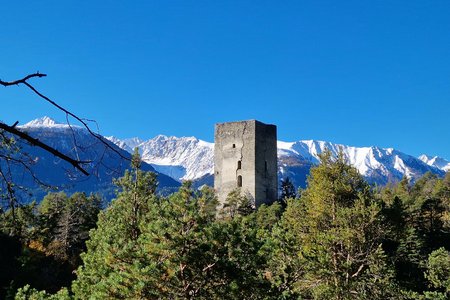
(287, 189)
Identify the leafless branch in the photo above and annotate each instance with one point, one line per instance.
(209, 266)
(26, 166)
(81, 120)
(9, 188)
(73, 159)
(357, 272)
(35, 142)
(23, 80)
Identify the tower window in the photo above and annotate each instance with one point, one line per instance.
(239, 165)
(239, 181)
(234, 145)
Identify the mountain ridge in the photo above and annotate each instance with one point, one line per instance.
(174, 156)
(104, 164)
(436, 161)
(188, 158)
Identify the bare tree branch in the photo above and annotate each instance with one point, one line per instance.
(23, 80)
(26, 166)
(10, 190)
(82, 121)
(74, 159)
(76, 163)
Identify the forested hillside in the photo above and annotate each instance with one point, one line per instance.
(339, 239)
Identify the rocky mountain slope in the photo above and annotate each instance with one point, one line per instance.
(190, 158)
(105, 164)
(185, 158)
(436, 161)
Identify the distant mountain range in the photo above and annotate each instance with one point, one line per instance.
(185, 158)
(75, 142)
(188, 158)
(436, 161)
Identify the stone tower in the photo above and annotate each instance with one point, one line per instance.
(245, 157)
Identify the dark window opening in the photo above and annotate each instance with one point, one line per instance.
(217, 173)
(239, 181)
(239, 165)
(234, 145)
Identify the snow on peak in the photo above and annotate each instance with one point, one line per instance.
(436, 161)
(47, 122)
(188, 157)
(425, 158)
(42, 122)
(181, 158)
(185, 158)
(386, 163)
(133, 142)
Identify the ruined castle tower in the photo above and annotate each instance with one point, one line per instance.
(245, 157)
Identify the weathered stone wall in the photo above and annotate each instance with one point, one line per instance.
(266, 164)
(253, 144)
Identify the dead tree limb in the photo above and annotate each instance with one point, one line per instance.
(35, 142)
(23, 80)
(39, 75)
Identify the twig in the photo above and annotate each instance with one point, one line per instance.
(36, 142)
(23, 80)
(37, 74)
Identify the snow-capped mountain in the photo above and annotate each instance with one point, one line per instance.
(185, 158)
(436, 161)
(190, 158)
(377, 165)
(176, 159)
(76, 142)
(126, 144)
(46, 122)
(40, 122)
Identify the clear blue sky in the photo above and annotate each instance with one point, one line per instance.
(354, 72)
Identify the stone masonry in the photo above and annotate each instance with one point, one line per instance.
(245, 157)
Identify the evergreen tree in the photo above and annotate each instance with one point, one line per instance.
(29, 293)
(442, 191)
(114, 264)
(50, 211)
(237, 203)
(329, 242)
(72, 225)
(20, 222)
(438, 271)
(148, 247)
(287, 189)
(338, 241)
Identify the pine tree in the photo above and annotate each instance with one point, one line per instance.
(78, 216)
(438, 271)
(237, 203)
(287, 189)
(148, 247)
(329, 242)
(114, 264)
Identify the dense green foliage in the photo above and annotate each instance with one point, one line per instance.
(330, 241)
(417, 218)
(340, 239)
(41, 244)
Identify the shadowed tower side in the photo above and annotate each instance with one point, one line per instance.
(245, 157)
